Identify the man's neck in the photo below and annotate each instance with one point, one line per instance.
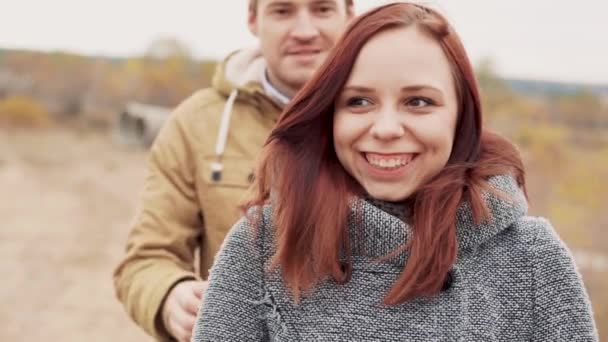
(272, 90)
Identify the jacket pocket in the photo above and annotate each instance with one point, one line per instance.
(219, 200)
(235, 172)
(369, 265)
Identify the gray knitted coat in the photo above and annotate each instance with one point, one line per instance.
(513, 280)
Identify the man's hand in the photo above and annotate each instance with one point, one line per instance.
(181, 307)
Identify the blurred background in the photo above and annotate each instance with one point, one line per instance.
(85, 85)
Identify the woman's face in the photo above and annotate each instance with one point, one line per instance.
(395, 119)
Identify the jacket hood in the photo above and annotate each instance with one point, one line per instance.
(243, 71)
(239, 69)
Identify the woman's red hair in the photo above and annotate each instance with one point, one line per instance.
(311, 192)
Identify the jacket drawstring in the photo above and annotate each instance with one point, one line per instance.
(222, 137)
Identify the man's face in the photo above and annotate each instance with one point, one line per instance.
(296, 36)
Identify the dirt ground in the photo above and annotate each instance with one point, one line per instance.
(66, 200)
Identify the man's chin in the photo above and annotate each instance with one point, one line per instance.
(304, 60)
(297, 77)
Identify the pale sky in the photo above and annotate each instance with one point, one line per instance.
(559, 40)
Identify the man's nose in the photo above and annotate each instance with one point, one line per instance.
(305, 28)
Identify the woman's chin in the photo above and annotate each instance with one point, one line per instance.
(388, 194)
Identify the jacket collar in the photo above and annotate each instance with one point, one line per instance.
(376, 232)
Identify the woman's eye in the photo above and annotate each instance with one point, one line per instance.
(357, 102)
(419, 102)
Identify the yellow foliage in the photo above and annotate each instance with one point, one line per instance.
(568, 219)
(539, 137)
(572, 192)
(585, 179)
(23, 111)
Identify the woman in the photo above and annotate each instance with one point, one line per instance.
(383, 211)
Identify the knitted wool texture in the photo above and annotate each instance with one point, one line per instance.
(513, 280)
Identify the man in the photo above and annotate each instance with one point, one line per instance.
(202, 161)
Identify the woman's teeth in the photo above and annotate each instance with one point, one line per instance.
(387, 163)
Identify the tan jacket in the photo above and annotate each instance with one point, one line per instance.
(185, 211)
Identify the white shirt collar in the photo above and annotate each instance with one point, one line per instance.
(272, 91)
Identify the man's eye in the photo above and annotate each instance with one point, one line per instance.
(281, 11)
(324, 10)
